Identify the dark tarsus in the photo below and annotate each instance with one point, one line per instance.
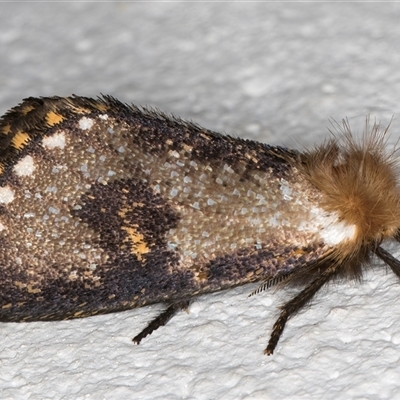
(161, 319)
(328, 270)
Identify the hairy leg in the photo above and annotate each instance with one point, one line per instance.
(161, 319)
(294, 305)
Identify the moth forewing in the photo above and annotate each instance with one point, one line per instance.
(107, 207)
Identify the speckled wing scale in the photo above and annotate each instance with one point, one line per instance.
(106, 207)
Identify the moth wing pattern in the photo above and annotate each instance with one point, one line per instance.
(106, 206)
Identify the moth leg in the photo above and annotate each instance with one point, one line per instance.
(295, 305)
(385, 256)
(161, 319)
(269, 283)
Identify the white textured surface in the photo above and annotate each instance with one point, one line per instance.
(273, 72)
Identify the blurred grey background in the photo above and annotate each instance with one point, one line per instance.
(274, 72)
(263, 70)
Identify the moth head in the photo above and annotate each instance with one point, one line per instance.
(359, 181)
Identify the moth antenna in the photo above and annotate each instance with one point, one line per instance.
(265, 285)
(299, 301)
(385, 256)
(161, 319)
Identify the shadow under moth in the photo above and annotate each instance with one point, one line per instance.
(106, 207)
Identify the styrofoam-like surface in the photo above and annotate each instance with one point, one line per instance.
(275, 72)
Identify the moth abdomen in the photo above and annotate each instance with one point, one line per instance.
(107, 207)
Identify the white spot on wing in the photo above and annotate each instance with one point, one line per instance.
(56, 140)
(286, 190)
(25, 166)
(335, 232)
(174, 153)
(6, 195)
(331, 230)
(85, 123)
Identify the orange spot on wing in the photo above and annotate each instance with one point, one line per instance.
(6, 129)
(20, 140)
(138, 245)
(53, 118)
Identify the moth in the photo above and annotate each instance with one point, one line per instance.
(106, 206)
